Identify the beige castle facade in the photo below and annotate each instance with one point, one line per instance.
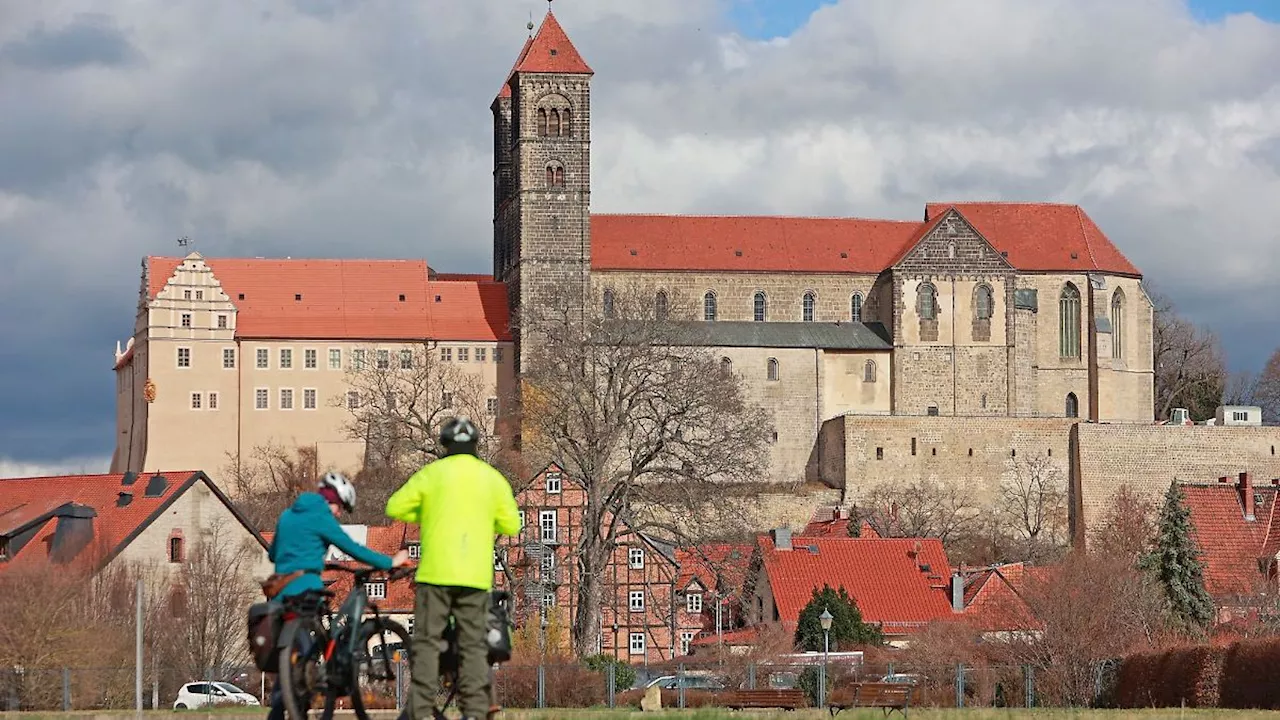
(1004, 312)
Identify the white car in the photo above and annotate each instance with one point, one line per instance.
(201, 694)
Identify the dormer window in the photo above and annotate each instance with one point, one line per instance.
(553, 483)
(693, 602)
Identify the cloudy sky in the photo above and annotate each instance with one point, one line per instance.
(347, 128)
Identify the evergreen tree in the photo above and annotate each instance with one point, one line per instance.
(1176, 562)
(847, 627)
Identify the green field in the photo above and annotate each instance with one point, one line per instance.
(555, 714)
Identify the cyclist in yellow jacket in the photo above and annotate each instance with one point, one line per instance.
(460, 502)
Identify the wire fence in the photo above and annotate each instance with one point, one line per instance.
(572, 685)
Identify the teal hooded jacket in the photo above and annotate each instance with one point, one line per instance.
(303, 536)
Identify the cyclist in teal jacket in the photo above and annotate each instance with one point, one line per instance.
(303, 536)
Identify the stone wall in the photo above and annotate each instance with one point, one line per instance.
(1149, 457)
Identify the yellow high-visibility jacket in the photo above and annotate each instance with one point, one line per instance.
(460, 502)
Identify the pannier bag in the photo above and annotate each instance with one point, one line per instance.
(498, 634)
(265, 622)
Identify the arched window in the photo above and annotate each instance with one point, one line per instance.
(759, 306)
(927, 302)
(608, 303)
(1073, 406)
(1117, 324)
(807, 307)
(983, 302)
(855, 307)
(709, 306)
(660, 305)
(175, 549)
(542, 122)
(1069, 323)
(869, 371)
(726, 365)
(555, 123)
(771, 369)
(565, 128)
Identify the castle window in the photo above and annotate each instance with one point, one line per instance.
(709, 306)
(555, 175)
(771, 369)
(758, 307)
(565, 128)
(1073, 406)
(869, 372)
(660, 305)
(807, 306)
(726, 365)
(927, 302)
(1069, 323)
(855, 307)
(542, 122)
(608, 303)
(1117, 324)
(982, 302)
(176, 554)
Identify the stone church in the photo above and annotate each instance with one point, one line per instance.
(1001, 312)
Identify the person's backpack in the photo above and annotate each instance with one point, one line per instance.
(265, 622)
(498, 634)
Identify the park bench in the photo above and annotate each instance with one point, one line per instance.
(889, 696)
(765, 699)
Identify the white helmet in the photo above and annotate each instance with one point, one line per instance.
(343, 487)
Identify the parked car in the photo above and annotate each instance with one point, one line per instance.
(903, 678)
(690, 682)
(202, 694)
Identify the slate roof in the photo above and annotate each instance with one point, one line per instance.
(734, 333)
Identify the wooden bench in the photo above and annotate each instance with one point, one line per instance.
(765, 699)
(889, 696)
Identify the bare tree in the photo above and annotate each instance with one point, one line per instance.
(1189, 368)
(1243, 388)
(1033, 506)
(1267, 389)
(1127, 528)
(269, 479)
(924, 508)
(398, 399)
(637, 418)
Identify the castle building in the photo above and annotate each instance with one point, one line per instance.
(975, 310)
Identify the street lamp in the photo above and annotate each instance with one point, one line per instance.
(825, 618)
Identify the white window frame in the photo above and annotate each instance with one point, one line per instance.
(383, 359)
(229, 354)
(186, 294)
(331, 364)
(693, 603)
(635, 643)
(686, 641)
(359, 359)
(547, 564)
(197, 401)
(548, 532)
(212, 404)
(480, 355)
(285, 358)
(554, 483)
(635, 601)
(223, 321)
(186, 321)
(635, 558)
(199, 294)
(262, 358)
(376, 590)
(406, 359)
(180, 355)
(313, 395)
(446, 354)
(310, 359)
(464, 354)
(262, 398)
(286, 393)
(497, 355)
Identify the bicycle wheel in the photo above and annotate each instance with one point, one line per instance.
(303, 668)
(380, 667)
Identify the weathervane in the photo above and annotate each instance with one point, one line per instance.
(184, 241)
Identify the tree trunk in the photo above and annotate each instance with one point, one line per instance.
(586, 621)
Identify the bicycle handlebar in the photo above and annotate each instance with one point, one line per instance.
(364, 572)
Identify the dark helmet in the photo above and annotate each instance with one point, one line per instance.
(459, 432)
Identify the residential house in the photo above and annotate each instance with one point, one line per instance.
(1237, 529)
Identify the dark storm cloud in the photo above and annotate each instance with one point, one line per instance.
(89, 39)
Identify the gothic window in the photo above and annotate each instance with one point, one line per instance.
(927, 310)
(660, 305)
(759, 307)
(983, 309)
(1073, 406)
(808, 306)
(726, 365)
(869, 372)
(855, 307)
(771, 370)
(1117, 324)
(1069, 323)
(608, 303)
(709, 306)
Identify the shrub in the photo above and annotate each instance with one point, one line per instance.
(567, 686)
(1248, 675)
(624, 676)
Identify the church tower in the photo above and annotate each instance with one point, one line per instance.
(542, 173)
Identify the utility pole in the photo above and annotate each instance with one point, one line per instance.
(137, 680)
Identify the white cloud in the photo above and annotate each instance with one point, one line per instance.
(88, 466)
(329, 127)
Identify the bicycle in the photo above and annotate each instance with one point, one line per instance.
(326, 654)
(451, 656)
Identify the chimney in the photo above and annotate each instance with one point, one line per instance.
(957, 592)
(1246, 495)
(782, 538)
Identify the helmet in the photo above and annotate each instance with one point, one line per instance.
(341, 487)
(459, 431)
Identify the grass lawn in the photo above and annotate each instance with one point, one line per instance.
(702, 714)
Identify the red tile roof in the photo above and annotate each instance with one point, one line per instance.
(25, 502)
(1037, 237)
(707, 562)
(883, 575)
(350, 299)
(551, 51)
(505, 92)
(992, 602)
(834, 522)
(1042, 236)
(1230, 545)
